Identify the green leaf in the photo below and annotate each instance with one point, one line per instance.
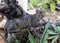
(31, 38)
(45, 31)
(58, 1)
(34, 3)
(52, 37)
(50, 32)
(16, 41)
(52, 6)
(39, 1)
(58, 28)
(55, 39)
(45, 6)
(54, 27)
(46, 1)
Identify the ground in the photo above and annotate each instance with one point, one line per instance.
(53, 17)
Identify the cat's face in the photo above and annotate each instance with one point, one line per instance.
(40, 14)
(3, 4)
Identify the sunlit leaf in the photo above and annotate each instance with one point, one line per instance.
(52, 6)
(55, 39)
(52, 37)
(45, 6)
(58, 1)
(46, 1)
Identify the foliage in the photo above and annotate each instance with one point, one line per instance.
(51, 4)
(14, 39)
(44, 36)
(46, 4)
(52, 35)
(31, 38)
(34, 3)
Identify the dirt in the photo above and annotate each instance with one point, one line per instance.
(53, 16)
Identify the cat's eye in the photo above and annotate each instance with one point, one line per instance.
(2, 1)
